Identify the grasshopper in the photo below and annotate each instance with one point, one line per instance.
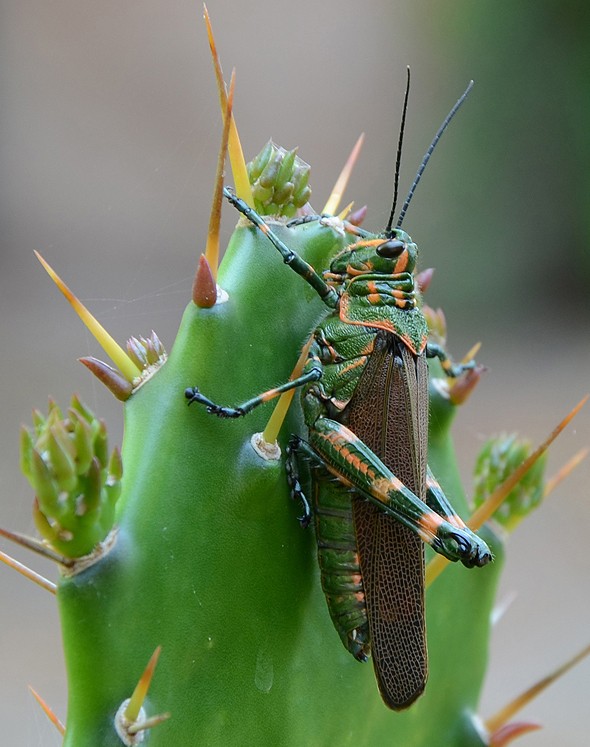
(364, 392)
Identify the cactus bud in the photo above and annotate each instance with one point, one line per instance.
(82, 441)
(75, 481)
(498, 459)
(424, 278)
(145, 352)
(437, 324)
(204, 286)
(357, 217)
(463, 387)
(279, 181)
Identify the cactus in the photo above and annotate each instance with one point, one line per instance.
(206, 569)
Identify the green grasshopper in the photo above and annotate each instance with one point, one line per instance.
(364, 393)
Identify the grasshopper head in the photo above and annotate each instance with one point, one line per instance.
(391, 255)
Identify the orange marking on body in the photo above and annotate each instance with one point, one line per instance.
(428, 525)
(339, 404)
(371, 474)
(374, 299)
(355, 271)
(456, 521)
(384, 324)
(341, 478)
(355, 364)
(365, 242)
(340, 439)
(402, 262)
(353, 460)
(341, 444)
(343, 451)
(333, 441)
(405, 339)
(331, 350)
(381, 487)
(368, 349)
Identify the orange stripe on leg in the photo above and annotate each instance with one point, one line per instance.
(428, 526)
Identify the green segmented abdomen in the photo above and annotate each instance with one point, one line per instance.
(339, 565)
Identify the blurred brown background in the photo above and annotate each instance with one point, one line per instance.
(110, 126)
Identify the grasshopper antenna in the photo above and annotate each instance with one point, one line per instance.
(398, 159)
(428, 153)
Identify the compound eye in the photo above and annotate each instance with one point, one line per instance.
(391, 249)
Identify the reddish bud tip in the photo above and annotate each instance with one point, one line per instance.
(358, 216)
(462, 388)
(204, 287)
(112, 379)
(509, 732)
(423, 279)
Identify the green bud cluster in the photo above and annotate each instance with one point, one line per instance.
(76, 484)
(498, 459)
(279, 180)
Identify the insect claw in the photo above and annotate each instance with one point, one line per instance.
(192, 394)
(471, 552)
(305, 519)
(297, 494)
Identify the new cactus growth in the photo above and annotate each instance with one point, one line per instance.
(279, 180)
(75, 481)
(498, 458)
(207, 570)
